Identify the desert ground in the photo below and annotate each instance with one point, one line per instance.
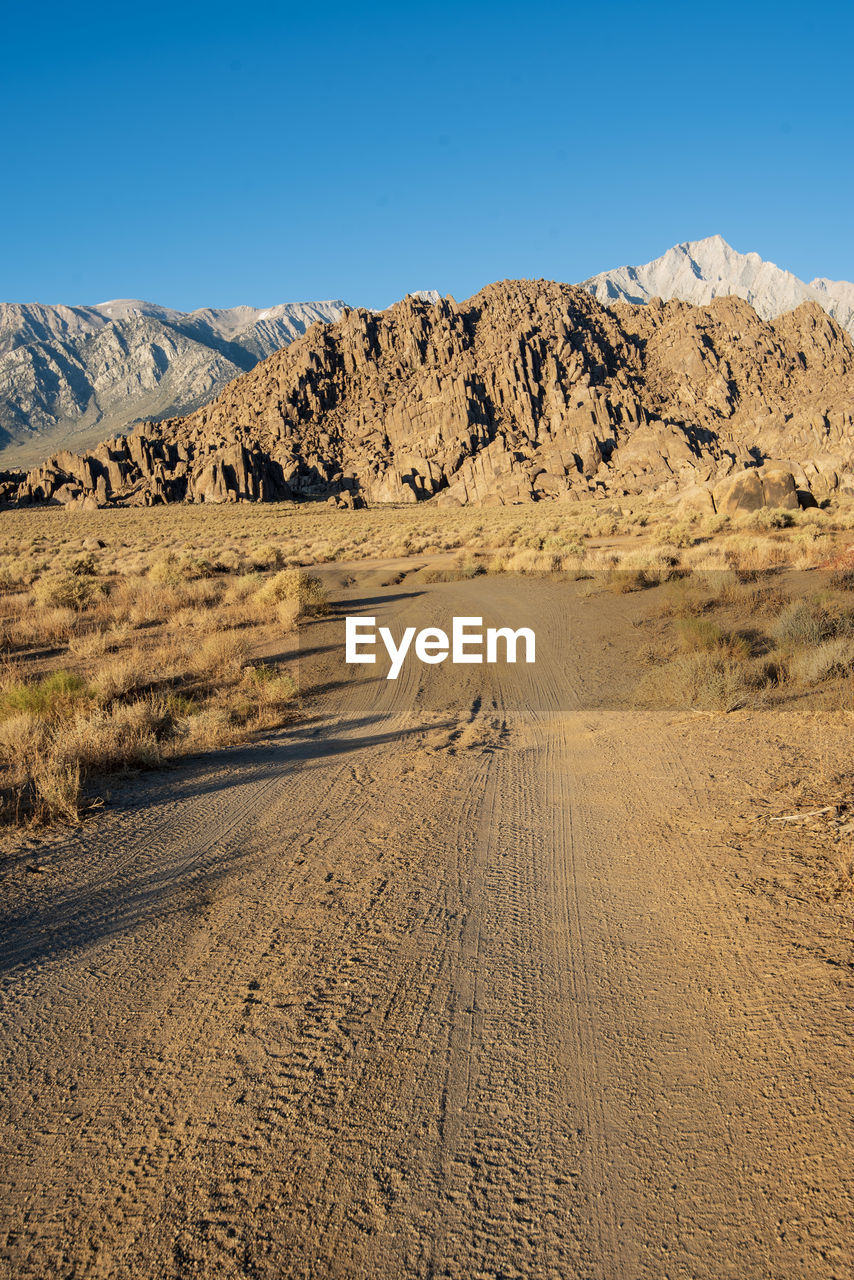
(482, 972)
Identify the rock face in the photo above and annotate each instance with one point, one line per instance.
(700, 270)
(529, 391)
(71, 375)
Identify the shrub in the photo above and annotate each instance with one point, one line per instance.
(271, 688)
(141, 601)
(842, 577)
(22, 735)
(43, 626)
(702, 635)
(312, 597)
(712, 680)
(240, 590)
(127, 734)
(773, 518)
(681, 535)
(173, 571)
(698, 634)
(532, 560)
(91, 644)
(66, 588)
(167, 570)
(624, 581)
(221, 654)
(231, 561)
(468, 567)
(284, 585)
(211, 726)
(125, 674)
(56, 786)
(266, 557)
(82, 566)
(295, 586)
(54, 697)
(831, 658)
(811, 622)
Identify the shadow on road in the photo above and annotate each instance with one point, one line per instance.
(90, 898)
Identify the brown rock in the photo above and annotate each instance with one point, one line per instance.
(778, 489)
(697, 497)
(530, 391)
(741, 492)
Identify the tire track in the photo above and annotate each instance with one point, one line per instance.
(438, 986)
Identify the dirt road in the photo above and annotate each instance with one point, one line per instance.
(448, 982)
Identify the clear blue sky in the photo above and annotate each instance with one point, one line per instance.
(210, 154)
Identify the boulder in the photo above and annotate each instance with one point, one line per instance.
(739, 493)
(778, 489)
(750, 490)
(696, 497)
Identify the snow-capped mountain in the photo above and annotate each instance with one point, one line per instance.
(69, 376)
(72, 376)
(700, 270)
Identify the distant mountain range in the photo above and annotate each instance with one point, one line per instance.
(530, 391)
(700, 270)
(72, 376)
(69, 376)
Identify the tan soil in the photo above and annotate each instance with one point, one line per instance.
(468, 977)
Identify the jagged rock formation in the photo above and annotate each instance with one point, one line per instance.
(700, 270)
(530, 390)
(71, 375)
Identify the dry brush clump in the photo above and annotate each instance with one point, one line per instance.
(295, 595)
(135, 670)
(730, 643)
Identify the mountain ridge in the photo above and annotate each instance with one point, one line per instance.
(528, 391)
(71, 375)
(697, 271)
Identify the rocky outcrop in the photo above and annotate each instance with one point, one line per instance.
(530, 391)
(759, 487)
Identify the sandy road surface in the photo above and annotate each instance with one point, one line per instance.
(447, 983)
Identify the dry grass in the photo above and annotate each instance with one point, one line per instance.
(183, 543)
(709, 680)
(138, 670)
(728, 643)
(828, 660)
(156, 613)
(295, 595)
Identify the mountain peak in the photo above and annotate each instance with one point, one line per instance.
(72, 375)
(714, 243)
(529, 391)
(697, 271)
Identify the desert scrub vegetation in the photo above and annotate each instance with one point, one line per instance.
(728, 641)
(136, 670)
(238, 538)
(73, 586)
(294, 595)
(155, 622)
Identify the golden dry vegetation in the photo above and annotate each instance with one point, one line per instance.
(242, 536)
(105, 670)
(724, 640)
(132, 636)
